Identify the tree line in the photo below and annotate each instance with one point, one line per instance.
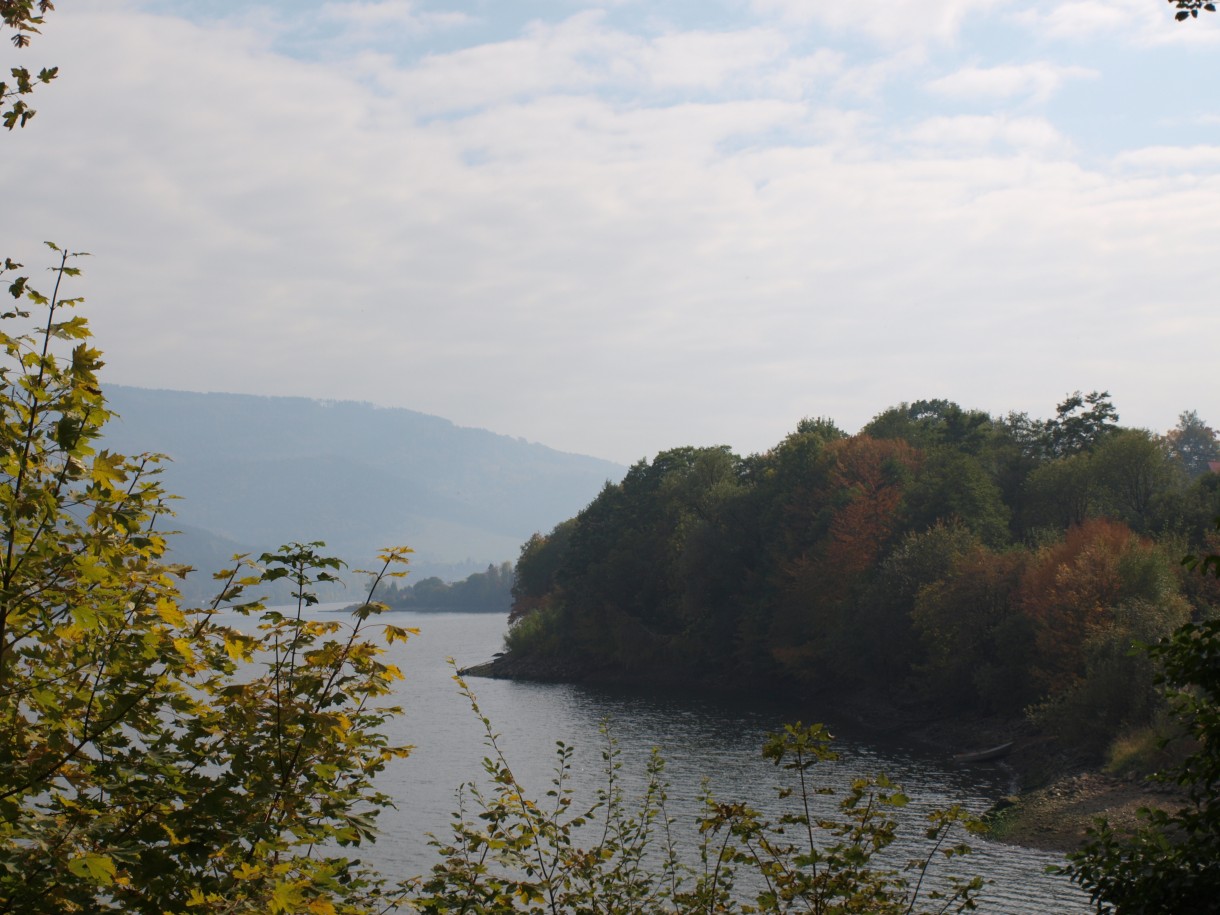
(983, 564)
(489, 591)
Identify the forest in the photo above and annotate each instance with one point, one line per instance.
(975, 564)
(489, 591)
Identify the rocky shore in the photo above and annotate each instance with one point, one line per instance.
(1057, 817)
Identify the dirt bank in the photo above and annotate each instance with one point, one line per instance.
(1057, 816)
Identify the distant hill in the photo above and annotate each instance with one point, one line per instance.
(255, 472)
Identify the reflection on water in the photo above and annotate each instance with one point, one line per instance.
(700, 738)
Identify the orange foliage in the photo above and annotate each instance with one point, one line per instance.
(867, 482)
(1070, 589)
(861, 492)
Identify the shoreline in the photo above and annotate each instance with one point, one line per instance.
(1056, 795)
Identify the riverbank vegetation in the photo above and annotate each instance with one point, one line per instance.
(489, 591)
(974, 564)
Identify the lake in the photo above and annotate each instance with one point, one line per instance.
(699, 736)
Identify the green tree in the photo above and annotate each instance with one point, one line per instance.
(1060, 493)
(1081, 422)
(951, 486)
(1134, 473)
(928, 423)
(1193, 444)
(153, 756)
(978, 648)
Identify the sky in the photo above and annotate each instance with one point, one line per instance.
(618, 227)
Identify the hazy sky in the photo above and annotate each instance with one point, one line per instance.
(617, 227)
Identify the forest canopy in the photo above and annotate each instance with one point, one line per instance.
(978, 563)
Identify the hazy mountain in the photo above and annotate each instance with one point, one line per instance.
(256, 472)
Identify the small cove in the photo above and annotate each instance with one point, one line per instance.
(701, 738)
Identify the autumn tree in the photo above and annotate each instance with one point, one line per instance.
(1092, 597)
(156, 757)
(1072, 587)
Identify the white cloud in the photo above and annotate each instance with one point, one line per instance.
(1036, 81)
(606, 240)
(1141, 22)
(372, 16)
(869, 80)
(707, 60)
(1082, 18)
(971, 134)
(570, 56)
(1179, 159)
(894, 23)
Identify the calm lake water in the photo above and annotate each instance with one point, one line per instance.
(700, 737)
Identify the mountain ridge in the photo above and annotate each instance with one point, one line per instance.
(257, 471)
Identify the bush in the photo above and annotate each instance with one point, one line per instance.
(153, 758)
(1169, 863)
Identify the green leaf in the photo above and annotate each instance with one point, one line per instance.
(96, 868)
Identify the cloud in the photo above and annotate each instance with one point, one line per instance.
(895, 23)
(1035, 81)
(709, 60)
(610, 240)
(372, 16)
(1082, 18)
(969, 135)
(1178, 159)
(1140, 22)
(868, 80)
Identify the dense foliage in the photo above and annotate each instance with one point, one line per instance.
(979, 563)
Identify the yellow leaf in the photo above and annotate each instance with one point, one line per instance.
(237, 646)
(185, 649)
(108, 469)
(398, 634)
(285, 897)
(168, 611)
(321, 907)
(247, 871)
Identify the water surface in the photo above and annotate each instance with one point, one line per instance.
(700, 737)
